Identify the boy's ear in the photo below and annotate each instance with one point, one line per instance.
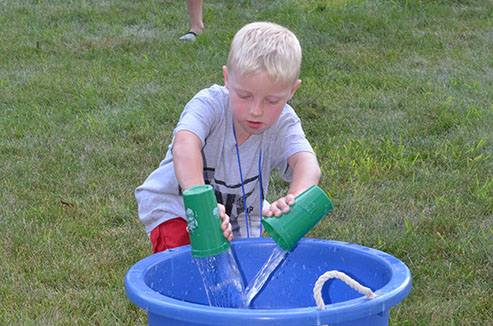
(225, 73)
(296, 85)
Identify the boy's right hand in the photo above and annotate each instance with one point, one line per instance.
(225, 224)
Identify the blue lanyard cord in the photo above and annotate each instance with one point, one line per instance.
(243, 187)
(261, 188)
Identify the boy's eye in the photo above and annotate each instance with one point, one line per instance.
(272, 101)
(244, 96)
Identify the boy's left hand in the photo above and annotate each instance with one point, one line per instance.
(279, 206)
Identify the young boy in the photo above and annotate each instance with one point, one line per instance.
(231, 137)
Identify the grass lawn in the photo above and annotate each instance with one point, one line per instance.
(396, 98)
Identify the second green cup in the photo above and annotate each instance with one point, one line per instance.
(204, 222)
(308, 209)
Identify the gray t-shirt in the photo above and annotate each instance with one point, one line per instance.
(209, 116)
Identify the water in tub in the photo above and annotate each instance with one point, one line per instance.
(222, 279)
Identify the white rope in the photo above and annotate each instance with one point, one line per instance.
(317, 289)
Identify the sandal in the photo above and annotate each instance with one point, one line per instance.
(190, 36)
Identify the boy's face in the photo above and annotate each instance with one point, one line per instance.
(256, 101)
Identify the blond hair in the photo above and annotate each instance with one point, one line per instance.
(265, 47)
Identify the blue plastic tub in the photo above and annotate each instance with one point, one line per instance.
(169, 287)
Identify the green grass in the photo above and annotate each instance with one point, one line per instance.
(396, 99)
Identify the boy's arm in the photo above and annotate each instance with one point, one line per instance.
(306, 173)
(187, 159)
(189, 169)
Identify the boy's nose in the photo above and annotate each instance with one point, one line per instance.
(256, 109)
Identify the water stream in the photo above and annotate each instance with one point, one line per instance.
(223, 282)
(222, 279)
(258, 281)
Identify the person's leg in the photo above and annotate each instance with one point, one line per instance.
(195, 12)
(170, 234)
(196, 22)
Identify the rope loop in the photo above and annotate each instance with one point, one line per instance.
(317, 289)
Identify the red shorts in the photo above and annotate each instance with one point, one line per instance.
(170, 234)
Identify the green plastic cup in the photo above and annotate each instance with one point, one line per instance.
(308, 209)
(204, 222)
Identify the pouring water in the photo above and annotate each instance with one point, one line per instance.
(276, 258)
(222, 280)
